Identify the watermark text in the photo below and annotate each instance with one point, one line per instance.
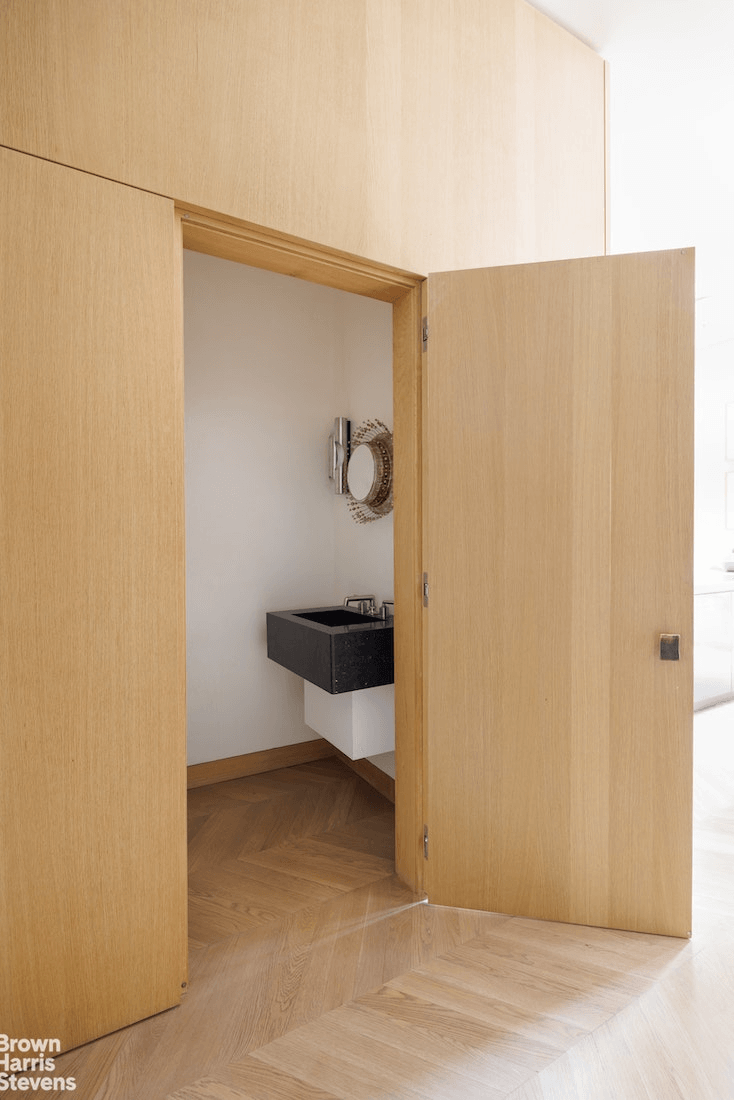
(26, 1067)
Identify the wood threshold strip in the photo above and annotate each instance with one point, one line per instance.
(250, 244)
(252, 763)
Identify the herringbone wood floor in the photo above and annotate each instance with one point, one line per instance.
(316, 975)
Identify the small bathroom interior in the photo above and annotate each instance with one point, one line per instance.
(270, 362)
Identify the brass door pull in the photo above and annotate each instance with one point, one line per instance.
(670, 647)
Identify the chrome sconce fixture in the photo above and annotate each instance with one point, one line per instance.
(338, 453)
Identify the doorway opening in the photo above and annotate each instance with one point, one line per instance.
(330, 562)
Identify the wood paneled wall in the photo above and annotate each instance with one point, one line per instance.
(92, 635)
(455, 133)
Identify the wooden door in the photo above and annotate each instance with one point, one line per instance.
(92, 644)
(558, 546)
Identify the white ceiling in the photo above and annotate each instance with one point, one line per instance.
(603, 23)
(594, 21)
(671, 122)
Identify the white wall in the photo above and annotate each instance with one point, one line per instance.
(269, 362)
(672, 116)
(672, 167)
(364, 552)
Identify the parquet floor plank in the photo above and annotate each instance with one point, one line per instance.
(632, 953)
(209, 1088)
(346, 1060)
(236, 896)
(542, 1038)
(571, 994)
(434, 1035)
(313, 860)
(373, 835)
(263, 1082)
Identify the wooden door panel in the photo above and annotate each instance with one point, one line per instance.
(558, 503)
(92, 725)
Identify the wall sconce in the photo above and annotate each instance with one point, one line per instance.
(338, 453)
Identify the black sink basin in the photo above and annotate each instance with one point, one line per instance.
(336, 616)
(336, 648)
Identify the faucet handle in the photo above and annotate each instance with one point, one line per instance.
(387, 611)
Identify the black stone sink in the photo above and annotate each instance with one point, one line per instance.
(336, 648)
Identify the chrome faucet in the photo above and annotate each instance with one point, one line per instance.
(365, 604)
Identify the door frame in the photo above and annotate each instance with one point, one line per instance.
(242, 242)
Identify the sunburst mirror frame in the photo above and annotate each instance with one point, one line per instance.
(378, 499)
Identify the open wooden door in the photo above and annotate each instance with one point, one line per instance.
(92, 639)
(558, 500)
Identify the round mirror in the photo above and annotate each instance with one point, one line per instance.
(361, 472)
(369, 472)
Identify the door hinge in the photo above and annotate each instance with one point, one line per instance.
(425, 590)
(424, 333)
(425, 842)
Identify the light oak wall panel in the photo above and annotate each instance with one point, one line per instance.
(428, 135)
(560, 142)
(92, 640)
